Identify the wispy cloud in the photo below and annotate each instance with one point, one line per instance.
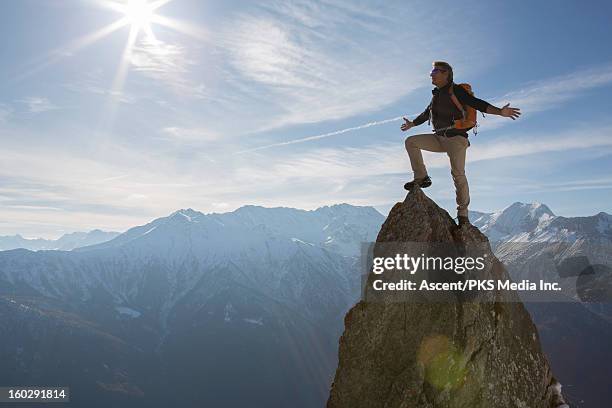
(324, 135)
(93, 82)
(550, 93)
(340, 163)
(5, 112)
(123, 187)
(181, 134)
(168, 63)
(541, 187)
(37, 104)
(533, 98)
(306, 70)
(540, 95)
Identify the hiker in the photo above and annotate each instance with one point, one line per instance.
(452, 111)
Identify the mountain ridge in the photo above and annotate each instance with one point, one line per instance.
(66, 242)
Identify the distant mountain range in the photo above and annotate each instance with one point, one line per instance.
(249, 302)
(535, 222)
(66, 242)
(527, 222)
(535, 244)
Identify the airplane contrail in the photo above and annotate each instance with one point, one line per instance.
(324, 135)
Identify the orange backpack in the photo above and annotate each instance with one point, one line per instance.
(469, 114)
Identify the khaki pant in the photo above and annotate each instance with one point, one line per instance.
(455, 147)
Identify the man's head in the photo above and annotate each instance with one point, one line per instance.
(441, 74)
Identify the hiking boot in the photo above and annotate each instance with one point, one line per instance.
(463, 220)
(422, 182)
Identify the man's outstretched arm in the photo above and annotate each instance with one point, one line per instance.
(417, 121)
(506, 111)
(422, 118)
(484, 106)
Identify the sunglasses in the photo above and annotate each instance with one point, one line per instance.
(436, 70)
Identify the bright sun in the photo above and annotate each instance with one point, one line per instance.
(139, 13)
(139, 16)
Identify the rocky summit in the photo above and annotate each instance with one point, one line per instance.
(466, 353)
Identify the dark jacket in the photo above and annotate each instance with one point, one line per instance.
(444, 112)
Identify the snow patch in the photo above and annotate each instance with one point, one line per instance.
(228, 312)
(301, 242)
(126, 311)
(150, 230)
(258, 321)
(186, 216)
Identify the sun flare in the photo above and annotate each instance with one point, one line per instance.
(141, 17)
(139, 13)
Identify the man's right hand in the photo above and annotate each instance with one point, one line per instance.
(406, 125)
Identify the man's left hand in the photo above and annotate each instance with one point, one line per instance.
(509, 112)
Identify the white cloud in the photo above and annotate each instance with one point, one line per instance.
(533, 98)
(181, 134)
(122, 187)
(5, 112)
(379, 160)
(168, 63)
(94, 82)
(589, 184)
(37, 104)
(307, 62)
(550, 93)
(136, 197)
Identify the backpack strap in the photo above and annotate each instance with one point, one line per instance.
(455, 100)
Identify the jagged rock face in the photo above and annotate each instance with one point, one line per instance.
(451, 354)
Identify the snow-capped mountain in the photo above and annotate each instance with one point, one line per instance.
(265, 249)
(340, 228)
(66, 242)
(523, 231)
(513, 221)
(262, 286)
(534, 244)
(535, 222)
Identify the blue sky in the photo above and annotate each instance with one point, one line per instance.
(204, 110)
